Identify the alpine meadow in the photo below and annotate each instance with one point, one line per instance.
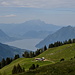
(37, 37)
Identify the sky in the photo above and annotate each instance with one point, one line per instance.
(58, 12)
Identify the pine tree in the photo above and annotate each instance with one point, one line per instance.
(0, 65)
(8, 61)
(26, 54)
(51, 46)
(3, 63)
(19, 69)
(65, 42)
(32, 67)
(14, 71)
(37, 52)
(31, 54)
(69, 41)
(16, 56)
(73, 40)
(45, 48)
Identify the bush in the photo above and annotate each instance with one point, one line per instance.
(62, 59)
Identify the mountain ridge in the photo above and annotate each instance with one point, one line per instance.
(62, 34)
(31, 25)
(9, 51)
(5, 38)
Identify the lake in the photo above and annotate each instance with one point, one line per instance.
(28, 44)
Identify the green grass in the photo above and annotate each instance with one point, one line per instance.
(24, 62)
(60, 68)
(53, 55)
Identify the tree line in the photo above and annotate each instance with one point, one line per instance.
(39, 51)
(32, 54)
(58, 43)
(8, 60)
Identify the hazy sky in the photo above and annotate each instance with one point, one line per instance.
(59, 12)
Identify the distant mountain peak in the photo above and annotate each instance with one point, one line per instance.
(39, 22)
(69, 26)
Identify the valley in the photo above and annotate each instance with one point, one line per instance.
(34, 45)
(37, 37)
(53, 56)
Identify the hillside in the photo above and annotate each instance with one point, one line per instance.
(52, 55)
(61, 68)
(9, 51)
(62, 34)
(5, 38)
(55, 54)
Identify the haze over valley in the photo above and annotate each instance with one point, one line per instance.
(27, 35)
(37, 37)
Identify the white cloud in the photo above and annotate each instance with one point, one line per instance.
(11, 15)
(39, 3)
(4, 3)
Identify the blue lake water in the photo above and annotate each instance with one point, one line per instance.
(28, 44)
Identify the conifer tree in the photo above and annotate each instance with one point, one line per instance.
(3, 63)
(51, 46)
(31, 54)
(73, 40)
(16, 56)
(45, 48)
(14, 71)
(8, 61)
(32, 67)
(19, 69)
(37, 52)
(0, 65)
(26, 54)
(69, 41)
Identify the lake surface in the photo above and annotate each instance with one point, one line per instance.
(28, 44)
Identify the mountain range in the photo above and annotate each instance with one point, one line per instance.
(62, 34)
(23, 30)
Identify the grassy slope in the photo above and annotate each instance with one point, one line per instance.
(53, 55)
(24, 62)
(62, 68)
